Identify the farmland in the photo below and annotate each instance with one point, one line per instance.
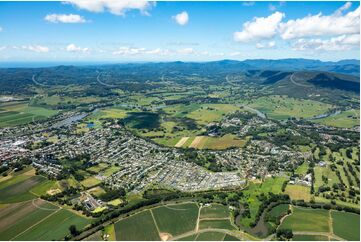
(186, 215)
(346, 225)
(17, 113)
(137, 227)
(314, 220)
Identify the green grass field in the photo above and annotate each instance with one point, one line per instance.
(90, 182)
(305, 219)
(230, 238)
(214, 211)
(298, 192)
(55, 227)
(278, 211)
(137, 227)
(217, 224)
(346, 119)
(176, 219)
(282, 107)
(346, 225)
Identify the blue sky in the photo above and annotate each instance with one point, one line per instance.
(109, 30)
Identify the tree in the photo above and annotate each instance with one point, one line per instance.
(73, 230)
(284, 234)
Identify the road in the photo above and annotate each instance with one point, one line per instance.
(103, 83)
(296, 83)
(38, 83)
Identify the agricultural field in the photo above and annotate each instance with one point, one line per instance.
(214, 143)
(185, 214)
(210, 236)
(56, 226)
(214, 211)
(303, 237)
(31, 221)
(140, 226)
(16, 113)
(305, 219)
(346, 225)
(19, 188)
(216, 224)
(90, 182)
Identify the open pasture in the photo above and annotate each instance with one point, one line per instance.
(283, 107)
(176, 219)
(346, 119)
(298, 192)
(137, 227)
(307, 219)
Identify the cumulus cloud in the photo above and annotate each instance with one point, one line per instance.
(117, 7)
(74, 48)
(36, 48)
(181, 18)
(339, 43)
(64, 18)
(259, 28)
(268, 45)
(323, 25)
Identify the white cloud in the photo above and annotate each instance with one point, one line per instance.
(125, 50)
(74, 48)
(2, 48)
(323, 25)
(65, 18)
(259, 28)
(130, 51)
(237, 53)
(339, 43)
(268, 45)
(36, 48)
(248, 4)
(186, 51)
(117, 7)
(1, 29)
(345, 7)
(181, 18)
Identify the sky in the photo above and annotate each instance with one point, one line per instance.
(132, 31)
